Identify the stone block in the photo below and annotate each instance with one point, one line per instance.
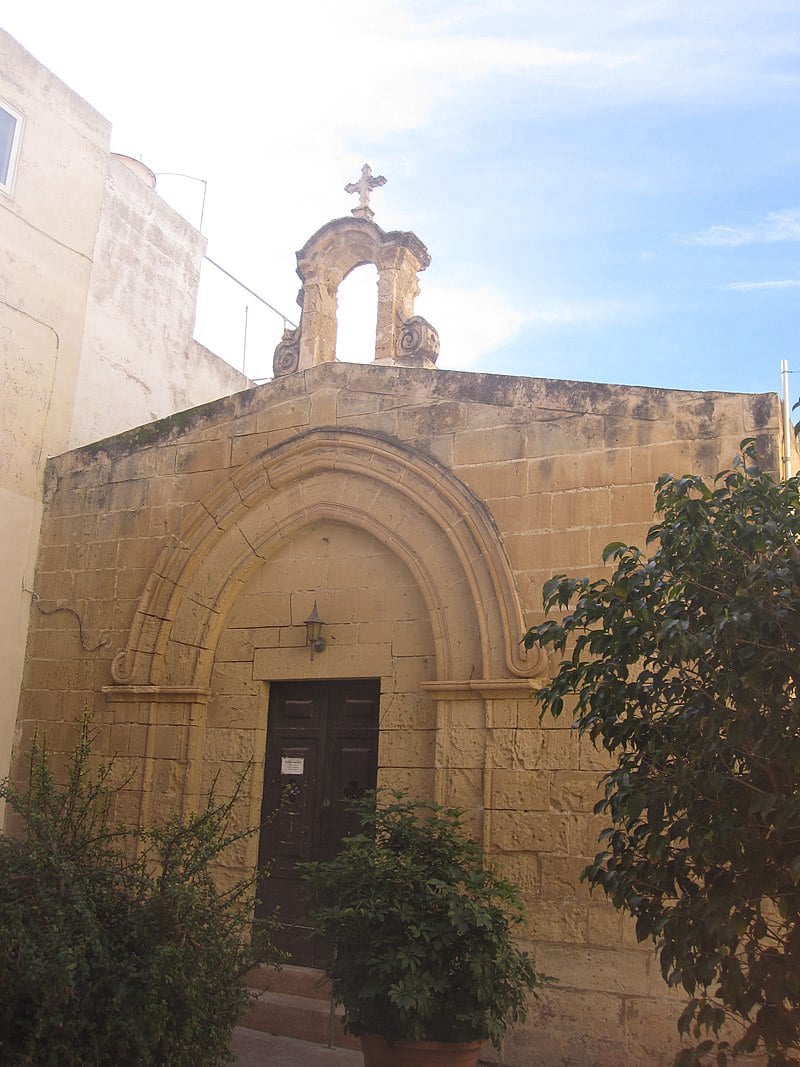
(503, 714)
(620, 431)
(593, 757)
(169, 780)
(581, 507)
(521, 869)
(535, 749)
(556, 920)
(262, 610)
(561, 877)
(650, 462)
(68, 502)
(514, 831)
(523, 514)
(203, 456)
(407, 638)
(634, 503)
(289, 415)
(596, 969)
(610, 466)
(323, 407)
(227, 745)
(466, 715)
(52, 558)
(651, 1024)
(562, 434)
(406, 748)
(491, 481)
(385, 422)
(520, 790)
(464, 748)
(629, 533)
(554, 474)
(534, 1043)
(409, 671)
(127, 804)
(169, 742)
(137, 739)
(584, 833)
(129, 495)
(501, 443)
(554, 552)
(357, 403)
(400, 711)
(604, 925)
(567, 1008)
(235, 712)
(463, 788)
(142, 463)
(224, 778)
(236, 679)
(247, 447)
(119, 738)
(440, 448)
(416, 781)
(574, 790)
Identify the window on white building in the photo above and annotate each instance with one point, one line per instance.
(10, 130)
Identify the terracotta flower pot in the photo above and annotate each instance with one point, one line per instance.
(379, 1053)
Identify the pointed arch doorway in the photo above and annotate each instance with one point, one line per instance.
(322, 753)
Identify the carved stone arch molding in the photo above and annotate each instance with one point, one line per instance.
(416, 507)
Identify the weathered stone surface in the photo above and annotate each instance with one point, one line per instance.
(209, 579)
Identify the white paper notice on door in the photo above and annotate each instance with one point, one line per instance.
(292, 764)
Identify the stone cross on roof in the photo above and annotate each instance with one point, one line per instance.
(364, 187)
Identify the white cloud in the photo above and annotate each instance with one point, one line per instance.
(475, 320)
(781, 283)
(776, 226)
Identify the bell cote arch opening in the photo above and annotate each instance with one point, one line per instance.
(357, 315)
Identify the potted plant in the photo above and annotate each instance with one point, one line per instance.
(421, 930)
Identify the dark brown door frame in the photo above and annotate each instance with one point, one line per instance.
(322, 751)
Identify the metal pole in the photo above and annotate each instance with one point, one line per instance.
(787, 421)
(244, 345)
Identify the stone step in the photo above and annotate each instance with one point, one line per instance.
(295, 1002)
(300, 981)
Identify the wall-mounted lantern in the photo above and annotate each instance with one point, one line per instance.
(314, 638)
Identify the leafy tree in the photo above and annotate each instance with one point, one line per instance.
(113, 954)
(684, 665)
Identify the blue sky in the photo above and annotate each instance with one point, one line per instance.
(609, 190)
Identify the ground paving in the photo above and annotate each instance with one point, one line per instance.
(255, 1049)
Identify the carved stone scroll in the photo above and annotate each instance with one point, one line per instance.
(287, 352)
(418, 343)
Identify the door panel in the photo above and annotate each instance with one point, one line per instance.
(322, 752)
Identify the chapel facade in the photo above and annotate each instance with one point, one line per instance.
(416, 513)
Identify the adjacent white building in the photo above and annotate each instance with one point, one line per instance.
(98, 289)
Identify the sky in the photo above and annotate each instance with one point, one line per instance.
(608, 190)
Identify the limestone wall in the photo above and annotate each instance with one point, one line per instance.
(423, 511)
(140, 315)
(47, 232)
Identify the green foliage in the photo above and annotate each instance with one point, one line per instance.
(685, 667)
(421, 928)
(112, 960)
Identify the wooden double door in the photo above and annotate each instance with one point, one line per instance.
(322, 753)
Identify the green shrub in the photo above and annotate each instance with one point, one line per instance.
(422, 929)
(107, 959)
